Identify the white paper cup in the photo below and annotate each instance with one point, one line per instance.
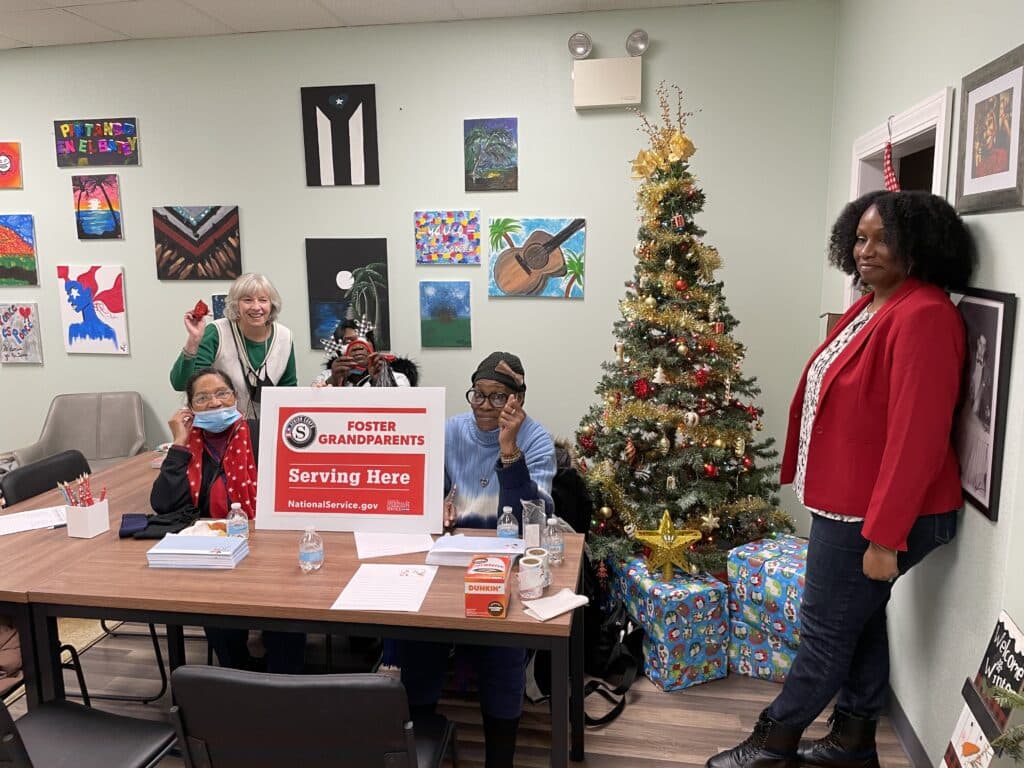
(542, 554)
(531, 578)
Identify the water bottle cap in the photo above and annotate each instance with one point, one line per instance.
(506, 509)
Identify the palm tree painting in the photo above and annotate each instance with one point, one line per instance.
(491, 153)
(347, 278)
(97, 207)
(537, 257)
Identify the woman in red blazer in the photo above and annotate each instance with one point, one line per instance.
(869, 452)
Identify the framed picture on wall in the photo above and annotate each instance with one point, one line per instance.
(991, 164)
(981, 423)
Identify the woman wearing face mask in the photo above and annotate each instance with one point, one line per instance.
(209, 466)
(247, 344)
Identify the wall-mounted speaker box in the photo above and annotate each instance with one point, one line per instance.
(606, 82)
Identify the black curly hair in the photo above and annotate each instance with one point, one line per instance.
(921, 229)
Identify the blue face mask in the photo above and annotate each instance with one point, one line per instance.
(216, 420)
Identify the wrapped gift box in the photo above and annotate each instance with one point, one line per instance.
(756, 653)
(766, 585)
(685, 621)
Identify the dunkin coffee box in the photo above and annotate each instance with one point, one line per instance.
(487, 586)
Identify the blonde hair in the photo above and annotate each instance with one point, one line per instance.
(250, 284)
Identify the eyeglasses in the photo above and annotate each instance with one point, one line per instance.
(496, 399)
(204, 398)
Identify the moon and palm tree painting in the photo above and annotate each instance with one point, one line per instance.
(17, 250)
(348, 278)
(538, 257)
(491, 153)
(97, 207)
(445, 314)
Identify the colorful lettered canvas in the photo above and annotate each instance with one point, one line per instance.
(197, 242)
(19, 334)
(537, 257)
(218, 303)
(104, 141)
(10, 165)
(447, 237)
(491, 153)
(339, 128)
(348, 277)
(97, 207)
(17, 250)
(445, 314)
(92, 309)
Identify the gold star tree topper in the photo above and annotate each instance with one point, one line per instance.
(668, 547)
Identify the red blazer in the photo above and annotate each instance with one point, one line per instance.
(881, 445)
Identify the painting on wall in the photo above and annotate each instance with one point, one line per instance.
(537, 257)
(19, 334)
(197, 242)
(92, 309)
(10, 165)
(105, 141)
(991, 161)
(447, 237)
(445, 314)
(218, 304)
(97, 207)
(491, 153)
(348, 278)
(17, 250)
(339, 128)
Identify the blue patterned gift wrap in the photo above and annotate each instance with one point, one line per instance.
(766, 585)
(685, 621)
(756, 653)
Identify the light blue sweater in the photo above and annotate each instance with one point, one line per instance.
(483, 485)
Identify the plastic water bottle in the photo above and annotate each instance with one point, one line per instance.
(311, 551)
(554, 542)
(508, 526)
(238, 521)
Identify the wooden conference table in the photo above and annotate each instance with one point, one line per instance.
(46, 574)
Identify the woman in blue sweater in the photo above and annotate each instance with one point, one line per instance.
(494, 456)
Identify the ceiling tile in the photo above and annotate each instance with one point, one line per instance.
(152, 18)
(54, 27)
(492, 9)
(267, 15)
(354, 13)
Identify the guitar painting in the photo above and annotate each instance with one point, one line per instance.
(537, 257)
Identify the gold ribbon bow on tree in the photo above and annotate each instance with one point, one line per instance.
(668, 547)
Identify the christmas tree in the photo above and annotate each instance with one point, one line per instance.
(677, 426)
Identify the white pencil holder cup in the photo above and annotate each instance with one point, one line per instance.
(86, 522)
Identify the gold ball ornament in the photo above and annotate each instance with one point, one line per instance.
(606, 512)
(670, 264)
(759, 426)
(587, 430)
(663, 445)
(683, 350)
(650, 301)
(718, 443)
(668, 547)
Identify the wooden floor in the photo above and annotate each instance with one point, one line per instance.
(656, 730)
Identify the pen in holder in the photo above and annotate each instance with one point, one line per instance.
(86, 522)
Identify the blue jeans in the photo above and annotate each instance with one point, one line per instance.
(844, 644)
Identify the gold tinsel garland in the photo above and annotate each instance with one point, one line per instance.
(639, 410)
(651, 195)
(603, 476)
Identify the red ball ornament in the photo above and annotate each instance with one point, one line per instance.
(710, 470)
(642, 388)
(681, 285)
(712, 346)
(587, 444)
(700, 377)
(748, 462)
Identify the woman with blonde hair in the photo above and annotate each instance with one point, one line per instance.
(247, 344)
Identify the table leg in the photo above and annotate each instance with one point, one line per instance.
(175, 646)
(560, 704)
(576, 686)
(22, 617)
(47, 652)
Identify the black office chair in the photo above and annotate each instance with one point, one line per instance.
(62, 734)
(42, 476)
(230, 718)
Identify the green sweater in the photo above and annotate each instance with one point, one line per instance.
(184, 367)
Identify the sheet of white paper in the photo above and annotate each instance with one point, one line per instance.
(385, 587)
(370, 545)
(32, 519)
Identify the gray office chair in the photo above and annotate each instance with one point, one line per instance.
(61, 734)
(230, 718)
(107, 427)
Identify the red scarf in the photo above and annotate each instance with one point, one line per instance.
(239, 472)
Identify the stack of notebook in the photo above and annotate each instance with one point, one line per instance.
(459, 549)
(175, 551)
